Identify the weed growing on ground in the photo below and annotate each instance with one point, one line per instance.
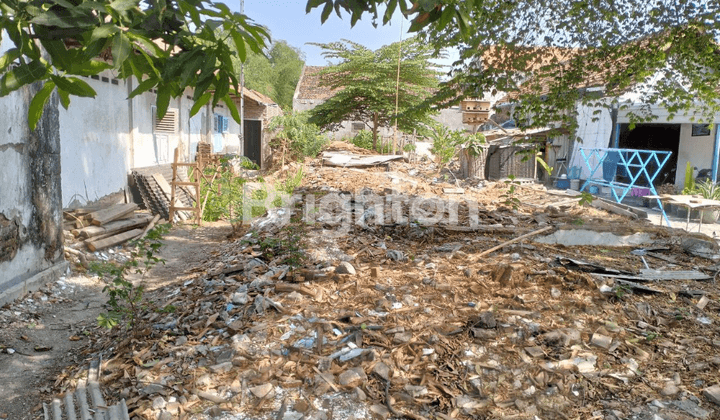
(125, 300)
(509, 197)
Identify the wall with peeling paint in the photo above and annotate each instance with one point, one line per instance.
(30, 213)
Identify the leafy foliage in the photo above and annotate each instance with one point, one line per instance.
(275, 73)
(444, 143)
(296, 135)
(224, 191)
(366, 84)
(708, 189)
(168, 46)
(125, 299)
(509, 197)
(549, 55)
(364, 140)
(689, 186)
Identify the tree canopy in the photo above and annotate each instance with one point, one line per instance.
(275, 73)
(167, 45)
(550, 55)
(365, 85)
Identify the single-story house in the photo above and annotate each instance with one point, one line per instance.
(106, 137)
(680, 134)
(86, 152)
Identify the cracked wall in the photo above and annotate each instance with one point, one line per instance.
(31, 237)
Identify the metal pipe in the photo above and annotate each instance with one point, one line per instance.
(716, 154)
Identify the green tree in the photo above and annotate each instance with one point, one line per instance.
(168, 45)
(366, 83)
(550, 55)
(275, 74)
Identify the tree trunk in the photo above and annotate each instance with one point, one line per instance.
(375, 130)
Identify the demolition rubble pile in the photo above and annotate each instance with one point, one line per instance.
(396, 318)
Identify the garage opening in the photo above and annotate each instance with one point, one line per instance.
(664, 137)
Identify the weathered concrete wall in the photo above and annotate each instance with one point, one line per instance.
(697, 150)
(452, 119)
(31, 240)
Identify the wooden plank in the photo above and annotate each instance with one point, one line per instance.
(116, 212)
(185, 183)
(169, 193)
(674, 275)
(113, 240)
(173, 205)
(195, 209)
(88, 209)
(612, 208)
(149, 226)
(114, 227)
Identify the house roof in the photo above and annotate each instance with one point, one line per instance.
(309, 86)
(533, 58)
(258, 97)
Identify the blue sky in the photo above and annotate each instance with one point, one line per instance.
(288, 21)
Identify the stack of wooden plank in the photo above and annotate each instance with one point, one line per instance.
(101, 228)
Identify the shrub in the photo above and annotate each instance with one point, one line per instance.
(364, 140)
(296, 137)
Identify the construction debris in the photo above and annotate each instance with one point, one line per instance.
(397, 303)
(104, 228)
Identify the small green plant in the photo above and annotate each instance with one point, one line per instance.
(444, 142)
(509, 196)
(287, 244)
(621, 290)
(364, 140)
(125, 299)
(651, 336)
(689, 186)
(578, 222)
(708, 189)
(410, 148)
(546, 167)
(475, 143)
(585, 198)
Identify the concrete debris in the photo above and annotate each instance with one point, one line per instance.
(712, 394)
(345, 268)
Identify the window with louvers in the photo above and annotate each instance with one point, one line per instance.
(169, 123)
(221, 124)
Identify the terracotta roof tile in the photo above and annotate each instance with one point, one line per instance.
(309, 85)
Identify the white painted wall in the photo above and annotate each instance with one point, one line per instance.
(594, 134)
(105, 137)
(696, 150)
(95, 140)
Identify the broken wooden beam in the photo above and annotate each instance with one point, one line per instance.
(512, 241)
(113, 240)
(113, 227)
(116, 212)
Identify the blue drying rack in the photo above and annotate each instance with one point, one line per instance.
(634, 164)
